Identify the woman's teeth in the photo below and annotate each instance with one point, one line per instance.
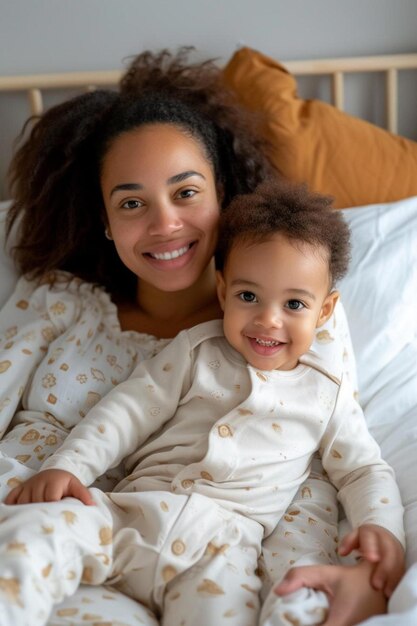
(167, 256)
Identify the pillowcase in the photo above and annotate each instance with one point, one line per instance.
(339, 155)
(8, 272)
(379, 295)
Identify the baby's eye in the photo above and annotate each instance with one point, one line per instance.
(131, 204)
(247, 296)
(295, 305)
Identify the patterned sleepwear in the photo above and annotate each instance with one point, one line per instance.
(239, 444)
(61, 350)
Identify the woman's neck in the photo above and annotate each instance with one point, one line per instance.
(164, 313)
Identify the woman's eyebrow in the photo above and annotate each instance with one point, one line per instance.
(178, 178)
(126, 187)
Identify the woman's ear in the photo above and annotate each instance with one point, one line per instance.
(327, 308)
(221, 288)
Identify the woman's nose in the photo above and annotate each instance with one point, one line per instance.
(164, 220)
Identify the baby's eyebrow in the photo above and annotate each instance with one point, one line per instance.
(243, 282)
(301, 292)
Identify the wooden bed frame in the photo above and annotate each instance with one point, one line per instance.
(35, 85)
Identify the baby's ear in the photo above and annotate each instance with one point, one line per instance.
(221, 289)
(327, 308)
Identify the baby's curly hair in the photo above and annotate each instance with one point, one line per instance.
(277, 206)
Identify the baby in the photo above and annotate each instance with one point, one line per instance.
(217, 433)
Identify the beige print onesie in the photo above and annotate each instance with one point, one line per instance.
(215, 451)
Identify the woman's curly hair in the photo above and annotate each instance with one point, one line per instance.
(55, 174)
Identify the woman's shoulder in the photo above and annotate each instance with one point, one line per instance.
(59, 297)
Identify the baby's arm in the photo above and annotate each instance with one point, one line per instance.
(367, 490)
(49, 486)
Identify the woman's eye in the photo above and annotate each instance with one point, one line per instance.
(187, 193)
(131, 204)
(247, 296)
(295, 305)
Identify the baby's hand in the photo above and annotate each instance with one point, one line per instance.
(49, 486)
(377, 545)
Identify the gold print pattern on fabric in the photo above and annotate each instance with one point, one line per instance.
(230, 613)
(206, 475)
(335, 454)
(69, 516)
(87, 575)
(70, 612)
(11, 332)
(48, 381)
(17, 547)
(293, 621)
(214, 550)
(47, 570)
(23, 458)
(58, 308)
(167, 367)
(14, 481)
(210, 588)
(51, 440)
(4, 366)
(323, 336)
(10, 587)
(277, 427)
(51, 399)
(262, 377)
(106, 536)
(164, 506)
(31, 436)
(187, 483)
(250, 589)
(168, 573)
(225, 430)
(22, 304)
(384, 500)
(243, 411)
(97, 375)
(306, 492)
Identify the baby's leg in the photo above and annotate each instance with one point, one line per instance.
(306, 535)
(100, 605)
(223, 586)
(46, 550)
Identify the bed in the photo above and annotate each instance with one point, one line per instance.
(371, 173)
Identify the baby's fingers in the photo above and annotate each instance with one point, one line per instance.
(349, 542)
(369, 547)
(388, 573)
(13, 496)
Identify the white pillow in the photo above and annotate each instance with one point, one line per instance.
(8, 272)
(380, 298)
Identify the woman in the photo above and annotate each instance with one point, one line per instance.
(124, 191)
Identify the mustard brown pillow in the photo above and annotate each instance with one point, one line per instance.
(355, 162)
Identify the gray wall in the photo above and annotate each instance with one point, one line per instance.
(65, 35)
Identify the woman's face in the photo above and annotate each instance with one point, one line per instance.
(162, 205)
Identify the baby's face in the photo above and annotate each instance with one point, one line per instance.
(274, 295)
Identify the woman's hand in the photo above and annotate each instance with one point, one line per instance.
(351, 596)
(379, 546)
(49, 486)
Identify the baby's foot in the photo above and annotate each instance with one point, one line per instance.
(304, 607)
